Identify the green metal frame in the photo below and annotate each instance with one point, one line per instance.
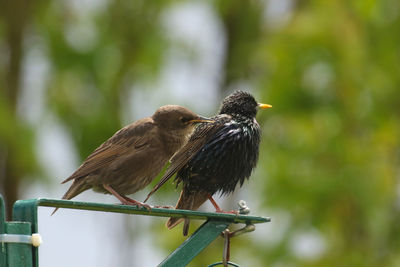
(2, 231)
(14, 254)
(25, 221)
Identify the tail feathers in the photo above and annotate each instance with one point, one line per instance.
(77, 187)
(172, 222)
(186, 225)
(187, 201)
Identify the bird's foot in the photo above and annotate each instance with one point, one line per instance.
(132, 202)
(218, 209)
(163, 207)
(228, 212)
(139, 204)
(126, 200)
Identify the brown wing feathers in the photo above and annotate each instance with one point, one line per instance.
(119, 144)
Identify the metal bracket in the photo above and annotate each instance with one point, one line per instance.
(227, 235)
(34, 239)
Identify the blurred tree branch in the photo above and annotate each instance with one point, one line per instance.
(15, 17)
(242, 22)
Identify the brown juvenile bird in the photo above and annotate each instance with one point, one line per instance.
(217, 156)
(133, 156)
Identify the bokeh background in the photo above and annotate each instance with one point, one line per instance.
(72, 72)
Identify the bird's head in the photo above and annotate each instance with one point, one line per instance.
(243, 103)
(177, 118)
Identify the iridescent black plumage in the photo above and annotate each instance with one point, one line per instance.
(217, 156)
(226, 159)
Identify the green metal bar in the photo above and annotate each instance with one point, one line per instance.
(200, 239)
(26, 210)
(19, 255)
(2, 231)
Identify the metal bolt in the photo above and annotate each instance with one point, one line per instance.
(243, 209)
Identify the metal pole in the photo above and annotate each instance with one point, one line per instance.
(18, 254)
(200, 239)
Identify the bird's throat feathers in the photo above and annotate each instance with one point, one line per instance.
(175, 140)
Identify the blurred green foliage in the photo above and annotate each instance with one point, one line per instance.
(330, 154)
(332, 146)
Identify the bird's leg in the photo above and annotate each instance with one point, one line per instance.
(217, 208)
(114, 193)
(124, 199)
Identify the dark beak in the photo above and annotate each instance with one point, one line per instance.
(200, 119)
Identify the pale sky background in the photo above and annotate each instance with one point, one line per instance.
(83, 238)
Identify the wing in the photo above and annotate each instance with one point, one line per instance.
(129, 139)
(198, 139)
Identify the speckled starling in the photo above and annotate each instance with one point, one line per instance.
(133, 156)
(217, 156)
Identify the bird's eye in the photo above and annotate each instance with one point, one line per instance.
(184, 119)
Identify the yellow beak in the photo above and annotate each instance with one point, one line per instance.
(264, 106)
